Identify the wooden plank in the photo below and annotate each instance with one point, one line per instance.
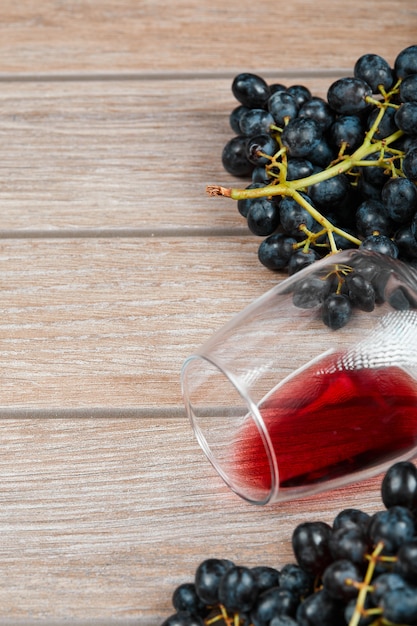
(102, 518)
(130, 157)
(47, 36)
(109, 322)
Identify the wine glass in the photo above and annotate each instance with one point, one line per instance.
(314, 384)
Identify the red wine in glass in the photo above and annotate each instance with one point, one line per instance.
(328, 421)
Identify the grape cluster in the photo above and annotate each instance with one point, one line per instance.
(328, 173)
(361, 570)
(363, 281)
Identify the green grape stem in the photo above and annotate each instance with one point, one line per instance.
(344, 164)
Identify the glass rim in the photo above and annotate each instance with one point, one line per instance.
(256, 417)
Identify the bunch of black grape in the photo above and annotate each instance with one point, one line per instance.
(328, 174)
(359, 571)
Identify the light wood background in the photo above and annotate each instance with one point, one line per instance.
(114, 266)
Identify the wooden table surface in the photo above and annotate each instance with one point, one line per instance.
(114, 266)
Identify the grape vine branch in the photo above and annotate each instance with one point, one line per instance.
(344, 164)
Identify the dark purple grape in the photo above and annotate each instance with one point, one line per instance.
(282, 107)
(371, 217)
(350, 543)
(320, 609)
(360, 291)
(318, 110)
(375, 71)
(410, 164)
(406, 62)
(399, 606)
(349, 130)
(347, 96)
(336, 311)
(235, 116)
(399, 195)
(292, 215)
(238, 589)
(259, 148)
(263, 217)
(301, 259)
(406, 118)
(274, 601)
(406, 563)
(297, 580)
(266, 577)
(387, 125)
(338, 578)
(300, 93)
(299, 168)
(275, 251)
(250, 90)
(393, 527)
(399, 485)
(300, 136)
(408, 89)
(329, 194)
(310, 542)
(381, 244)
(234, 157)
(255, 122)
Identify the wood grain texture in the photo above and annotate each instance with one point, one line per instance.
(114, 266)
(108, 323)
(130, 157)
(103, 36)
(102, 518)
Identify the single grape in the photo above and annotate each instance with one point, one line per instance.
(255, 122)
(360, 292)
(310, 542)
(381, 244)
(406, 563)
(406, 62)
(266, 577)
(250, 90)
(347, 130)
(375, 71)
(297, 580)
(299, 168)
(408, 88)
(351, 544)
(399, 606)
(399, 195)
(311, 292)
(318, 110)
(372, 217)
(263, 217)
(292, 215)
(301, 259)
(300, 136)
(329, 194)
(336, 311)
(393, 527)
(274, 601)
(185, 598)
(410, 164)
(300, 93)
(383, 584)
(351, 518)
(235, 116)
(399, 485)
(238, 590)
(320, 609)
(406, 118)
(406, 242)
(234, 157)
(259, 148)
(339, 578)
(275, 251)
(347, 96)
(282, 107)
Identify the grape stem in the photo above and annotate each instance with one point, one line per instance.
(344, 164)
